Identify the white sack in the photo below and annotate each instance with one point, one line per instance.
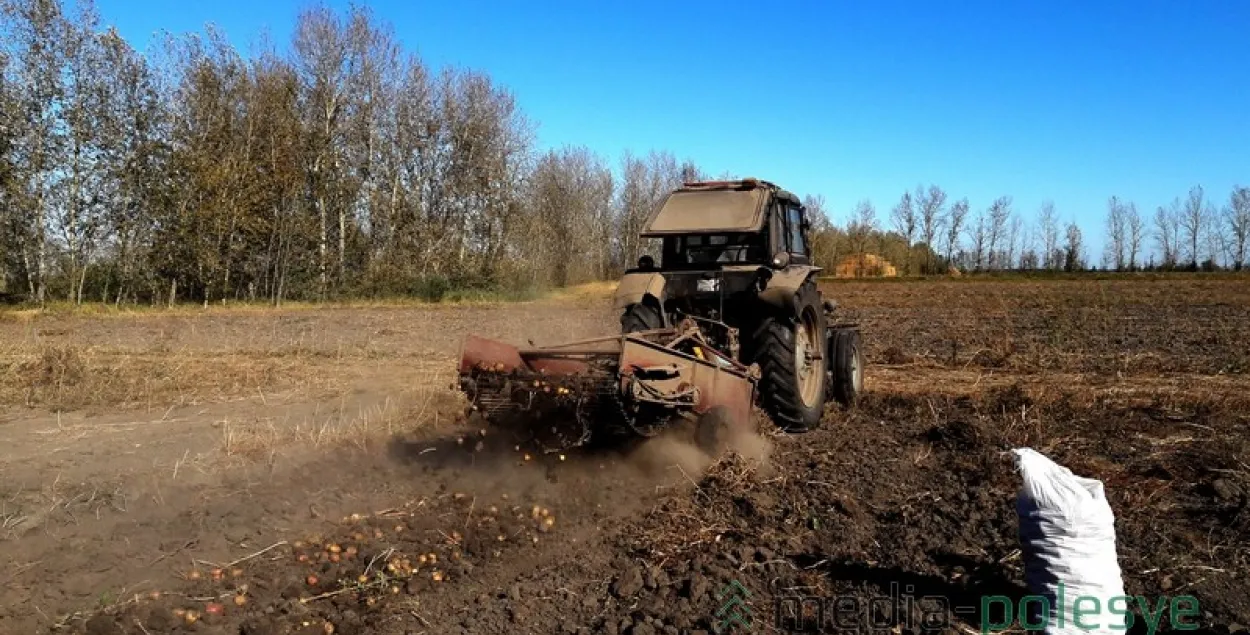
(1067, 539)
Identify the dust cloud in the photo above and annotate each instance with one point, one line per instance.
(693, 447)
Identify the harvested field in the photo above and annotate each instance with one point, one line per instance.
(277, 471)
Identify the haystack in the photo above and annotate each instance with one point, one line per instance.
(865, 266)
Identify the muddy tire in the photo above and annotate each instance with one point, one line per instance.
(848, 367)
(640, 317)
(789, 351)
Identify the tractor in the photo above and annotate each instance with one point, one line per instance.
(729, 318)
(735, 257)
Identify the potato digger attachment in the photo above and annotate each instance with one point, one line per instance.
(560, 397)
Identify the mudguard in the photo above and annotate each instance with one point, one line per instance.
(635, 286)
(784, 285)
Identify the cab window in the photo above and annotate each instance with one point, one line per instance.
(713, 249)
(796, 243)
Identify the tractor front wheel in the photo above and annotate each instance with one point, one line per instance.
(640, 317)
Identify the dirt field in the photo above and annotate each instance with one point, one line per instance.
(306, 471)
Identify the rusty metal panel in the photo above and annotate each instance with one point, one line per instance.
(557, 366)
(718, 385)
(482, 353)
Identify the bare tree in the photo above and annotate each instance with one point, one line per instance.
(999, 215)
(1015, 231)
(1168, 234)
(1219, 246)
(1237, 215)
(690, 172)
(1116, 234)
(1074, 250)
(1194, 221)
(1030, 260)
(931, 203)
(1136, 234)
(644, 183)
(979, 235)
(822, 235)
(904, 218)
(955, 226)
(860, 230)
(573, 200)
(1048, 226)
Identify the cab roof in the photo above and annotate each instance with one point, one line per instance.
(714, 207)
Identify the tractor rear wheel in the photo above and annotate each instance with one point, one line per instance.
(790, 351)
(848, 366)
(640, 317)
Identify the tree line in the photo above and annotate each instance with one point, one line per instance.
(927, 233)
(342, 165)
(345, 166)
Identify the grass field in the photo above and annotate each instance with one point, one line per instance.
(163, 461)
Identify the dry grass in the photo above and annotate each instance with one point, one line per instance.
(22, 510)
(68, 377)
(365, 428)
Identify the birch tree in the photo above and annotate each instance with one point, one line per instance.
(904, 218)
(35, 33)
(1237, 217)
(1167, 224)
(1193, 221)
(1116, 234)
(1048, 226)
(955, 226)
(1135, 234)
(931, 203)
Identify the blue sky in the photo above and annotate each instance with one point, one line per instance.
(1062, 100)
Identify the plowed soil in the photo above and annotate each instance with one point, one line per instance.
(309, 471)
